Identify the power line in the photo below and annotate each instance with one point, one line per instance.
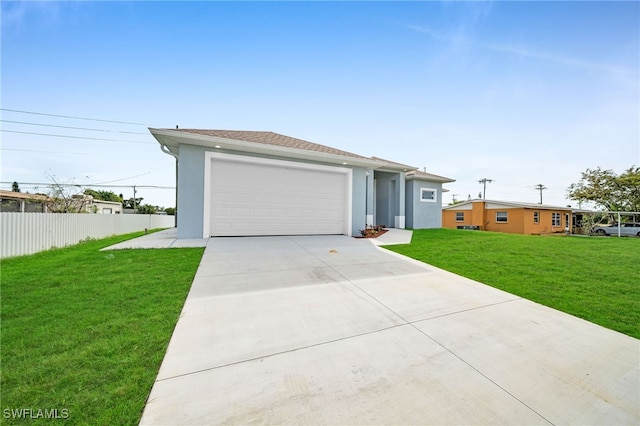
(70, 116)
(89, 184)
(75, 137)
(130, 177)
(47, 152)
(71, 127)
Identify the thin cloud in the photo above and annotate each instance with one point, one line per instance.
(15, 13)
(627, 76)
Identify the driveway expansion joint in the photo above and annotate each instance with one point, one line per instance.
(275, 354)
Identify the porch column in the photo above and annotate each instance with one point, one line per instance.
(370, 198)
(400, 190)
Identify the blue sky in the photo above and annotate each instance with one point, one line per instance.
(523, 93)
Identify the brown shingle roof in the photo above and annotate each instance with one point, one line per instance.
(393, 163)
(22, 196)
(269, 138)
(429, 176)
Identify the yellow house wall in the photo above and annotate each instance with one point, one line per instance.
(513, 225)
(479, 213)
(449, 219)
(519, 220)
(544, 227)
(472, 217)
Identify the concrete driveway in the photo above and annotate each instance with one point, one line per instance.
(333, 330)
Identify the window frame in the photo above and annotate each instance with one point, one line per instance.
(536, 217)
(456, 216)
(432, 190)
(506, 217)
(555, 215)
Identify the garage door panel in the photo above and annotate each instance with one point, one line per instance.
(266, 199)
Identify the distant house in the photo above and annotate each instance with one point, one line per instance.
(508, 216)
(242, 183)
(101, 207)
(22, 202)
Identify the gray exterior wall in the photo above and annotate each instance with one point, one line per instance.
(390, 198)
(423, 215)
(191, 166)
(190, 191)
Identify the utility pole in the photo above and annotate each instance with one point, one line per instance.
(540, 187)
(484, 181)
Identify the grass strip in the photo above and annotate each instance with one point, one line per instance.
(594, 278)
(84, 331)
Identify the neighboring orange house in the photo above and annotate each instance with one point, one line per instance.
(507, 216)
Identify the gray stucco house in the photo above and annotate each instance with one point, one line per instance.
(241, 183)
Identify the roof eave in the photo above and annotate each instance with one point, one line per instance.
(172, 140)
(440, 179)
(509, 204)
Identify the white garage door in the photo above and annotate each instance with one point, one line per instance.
(276, 198)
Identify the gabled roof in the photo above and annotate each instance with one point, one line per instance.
(259, 142)
(21, 196)
(269, 138)
(417, 174)
(511, 204)
(393, 165)
(265, 142)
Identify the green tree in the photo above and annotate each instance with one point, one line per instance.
(146, 209)
(64, 198)
(606, 189)
(15, 187)
(131, 203)
(103, 195)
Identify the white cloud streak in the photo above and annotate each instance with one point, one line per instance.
(618, 73)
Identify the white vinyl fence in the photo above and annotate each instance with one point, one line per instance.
(27, 233)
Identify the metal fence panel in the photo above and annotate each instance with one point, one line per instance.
(28, 233)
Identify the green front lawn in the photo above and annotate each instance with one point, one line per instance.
(594, 278)
(84, 331)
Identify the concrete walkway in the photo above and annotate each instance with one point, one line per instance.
(161, 239)
(333, 330)
(392, 236)
(168, 238)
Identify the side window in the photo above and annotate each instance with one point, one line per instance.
(536, 217)
(428, 195)
(459, 216)
(501, 217)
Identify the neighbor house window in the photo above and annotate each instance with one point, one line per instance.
(459, 216)
(428, 195)
(501, 216)
(536, 217)
(556, 219)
